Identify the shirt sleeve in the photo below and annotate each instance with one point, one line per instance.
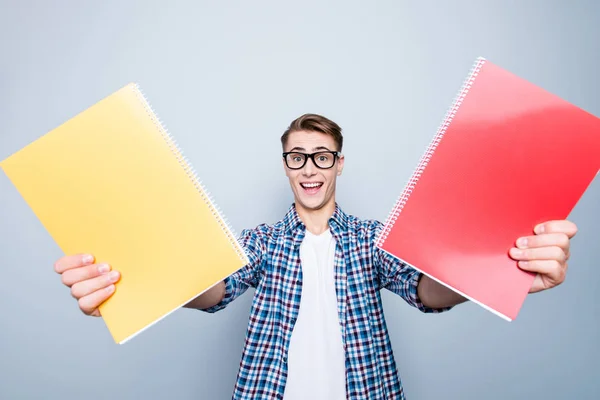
(247, 276)
(400, 278)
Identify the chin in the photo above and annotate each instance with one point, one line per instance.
(309, 206)
(312, 204)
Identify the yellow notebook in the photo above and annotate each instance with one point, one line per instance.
(112, 182)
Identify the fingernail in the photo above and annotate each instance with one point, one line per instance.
(540, 229)
(103, 268)
(523, 263)
(517, 252)
(522, 242)
(113, 276)
(110, 288)
(88, 258)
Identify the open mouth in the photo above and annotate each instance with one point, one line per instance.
(311, 187)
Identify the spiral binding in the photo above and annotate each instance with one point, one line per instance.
(408, 188)
(191, 172)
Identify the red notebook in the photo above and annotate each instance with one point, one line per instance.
(507, 156)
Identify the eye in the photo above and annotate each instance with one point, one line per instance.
(295, 158)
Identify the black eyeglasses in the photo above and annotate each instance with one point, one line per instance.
(322, 159)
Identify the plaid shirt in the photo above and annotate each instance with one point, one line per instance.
(361, 270)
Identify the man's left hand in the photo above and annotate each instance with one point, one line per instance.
(546, 253)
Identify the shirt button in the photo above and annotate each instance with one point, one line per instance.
(284, 359)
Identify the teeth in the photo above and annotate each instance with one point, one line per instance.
(311, 185)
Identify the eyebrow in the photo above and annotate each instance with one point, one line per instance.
(314, 148)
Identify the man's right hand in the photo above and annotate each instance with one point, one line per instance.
(91, 284)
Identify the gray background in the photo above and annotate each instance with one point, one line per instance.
(231, 76)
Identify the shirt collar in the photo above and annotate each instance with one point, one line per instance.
(338, 222)
(292, 221)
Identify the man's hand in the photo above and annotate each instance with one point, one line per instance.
(91, 284)
(546, 253)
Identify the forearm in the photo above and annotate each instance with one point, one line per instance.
(436, 295)
(209, 298)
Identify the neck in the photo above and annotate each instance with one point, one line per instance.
(316, 221)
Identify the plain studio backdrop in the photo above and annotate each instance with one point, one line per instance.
(227, 78)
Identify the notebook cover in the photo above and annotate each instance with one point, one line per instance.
(112, 182)
(508, 155)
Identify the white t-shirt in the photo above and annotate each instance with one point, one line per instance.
(316, 359)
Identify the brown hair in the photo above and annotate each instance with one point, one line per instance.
(315, 123)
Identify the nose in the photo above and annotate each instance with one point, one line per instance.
(309, 168)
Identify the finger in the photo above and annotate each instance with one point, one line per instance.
(557, 226)
(72, 261)
(84, 288)
(74, 275)
(544, 240)
(552, 269)
(89, 304)
(540, 253)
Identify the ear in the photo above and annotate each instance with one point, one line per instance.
(340, 164)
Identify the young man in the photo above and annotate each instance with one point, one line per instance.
(316, 328)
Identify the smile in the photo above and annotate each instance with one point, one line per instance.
(311, 187)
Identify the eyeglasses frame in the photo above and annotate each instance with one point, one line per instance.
(336, 155)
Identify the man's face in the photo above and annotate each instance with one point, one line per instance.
(313, 187)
